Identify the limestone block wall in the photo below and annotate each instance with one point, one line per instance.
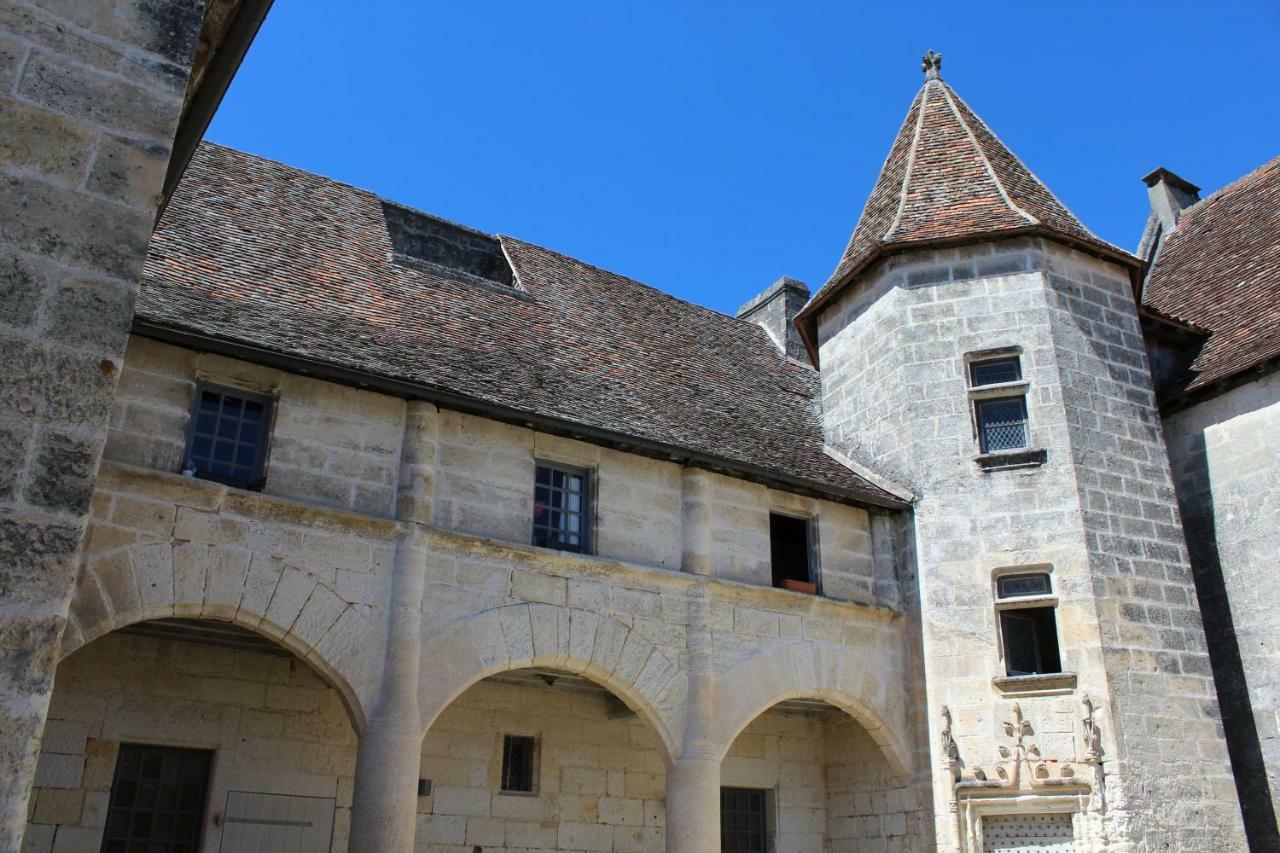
(1153, 642)
(1094, 514)
(165, 546)
(275, 725)
(91, 95)
(330, 445)
(1225, 455)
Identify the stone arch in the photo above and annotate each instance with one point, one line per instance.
(831, 673)
(643, 675)
(180, 580)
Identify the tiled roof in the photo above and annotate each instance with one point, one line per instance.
(260, 254)
(1220, 269)
(949, 179)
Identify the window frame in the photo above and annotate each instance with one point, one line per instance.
(769, 820)
(268, 402)
(1040, 602)
(588, 513)
(983, 443)
(535, 751)
(988, 393)
(810, 548)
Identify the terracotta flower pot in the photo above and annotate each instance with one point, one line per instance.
(800, 586)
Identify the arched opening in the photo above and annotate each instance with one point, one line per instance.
(541, 758)
(807, 777)
(192, 732)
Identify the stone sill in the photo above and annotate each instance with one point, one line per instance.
(1049, 683)
(1008, 459)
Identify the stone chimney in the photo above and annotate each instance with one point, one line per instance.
(775, 311)
(1169, 195)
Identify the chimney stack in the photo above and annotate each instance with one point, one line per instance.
(1169, 196)
(775, 311)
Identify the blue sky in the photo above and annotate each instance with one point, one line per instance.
(707, 148)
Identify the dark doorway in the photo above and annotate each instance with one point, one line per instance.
(744, 825)
(157, 800)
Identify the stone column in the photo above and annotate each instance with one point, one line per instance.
(91, 93)
(385, 799)
(695, 521)
(693, 779)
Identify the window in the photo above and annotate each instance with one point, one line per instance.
(157, 800)
(562, 508)
(744, 825)
(1000, 416)
(790, 553)
(995, 371)
(1002, 424)
(519, 754)
(1025, 606)
(228, 436)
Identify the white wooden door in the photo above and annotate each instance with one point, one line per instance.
(276, 823)
(1037, 833)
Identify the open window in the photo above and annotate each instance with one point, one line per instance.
(1027, 612)
(791, 553)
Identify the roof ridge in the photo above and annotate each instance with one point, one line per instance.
(911, 162)
(982, 155)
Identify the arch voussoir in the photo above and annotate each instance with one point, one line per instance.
(586, 643)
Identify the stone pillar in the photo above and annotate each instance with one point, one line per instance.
(418, 463)
(693, 805)
(693, 779)
(695, 521)
(91, 93)
(385, 800)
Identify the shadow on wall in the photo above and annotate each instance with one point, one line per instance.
(1198, 523)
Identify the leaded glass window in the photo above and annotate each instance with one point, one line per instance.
(1002, 423)
(995, 371)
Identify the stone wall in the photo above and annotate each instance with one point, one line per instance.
(341, 447)
(277, 728)
(330, 445)
(1225, 454)
(1093, 507)
(90, 95)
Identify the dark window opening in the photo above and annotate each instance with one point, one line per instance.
(1030, 641)
(157, 800)
(228, 436)
(418, 236)
(562, 508)
(744, 824)
(518, 755)
(994, 371)
(789, 551)
(1002, 424)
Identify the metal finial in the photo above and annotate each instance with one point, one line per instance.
(931, 65)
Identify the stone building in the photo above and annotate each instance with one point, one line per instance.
(406, 536)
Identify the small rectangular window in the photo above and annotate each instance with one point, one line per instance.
(790, 552)
(518, 758)
(1029, 634)
(562, 508)
(1011, 586)
(744, 823)
(1002, 423)
(995, 371)
(227, 439)
(1030, 641)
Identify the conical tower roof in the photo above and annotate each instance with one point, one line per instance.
(949, 180)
